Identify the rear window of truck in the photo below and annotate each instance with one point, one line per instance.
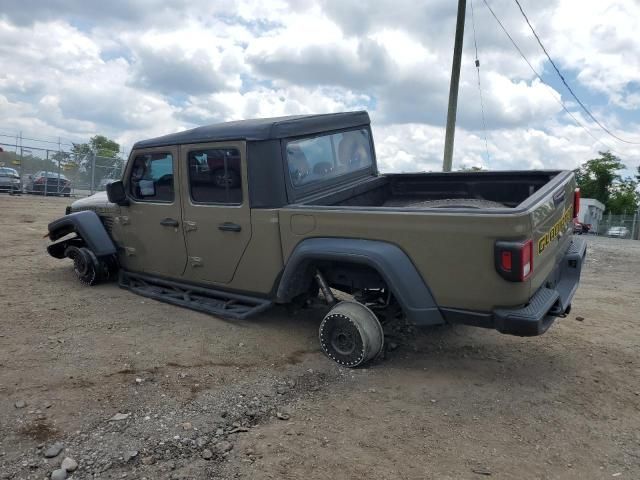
(326, 157)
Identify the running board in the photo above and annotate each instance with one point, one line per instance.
(214, 302)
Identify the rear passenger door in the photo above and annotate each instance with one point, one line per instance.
(215, 209)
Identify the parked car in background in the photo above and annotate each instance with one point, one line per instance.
(217, 166)
(618, 232)
(10, 180)
(53, 183)
(580, 228)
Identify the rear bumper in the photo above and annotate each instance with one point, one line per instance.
(551, 301)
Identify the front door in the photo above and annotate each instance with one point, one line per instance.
(149, 230)
(215, 209)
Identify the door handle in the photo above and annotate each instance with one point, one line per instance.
(169, 222)
(229, 227)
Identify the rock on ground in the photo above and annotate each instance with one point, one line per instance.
(54, 450)
(118, 417)
(207, 454)
(224, 446)
(69, 464)
(59, 474)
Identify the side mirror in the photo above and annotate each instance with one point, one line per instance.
(116, 193)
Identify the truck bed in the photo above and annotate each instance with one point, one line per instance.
(453, 248)
(503, 189)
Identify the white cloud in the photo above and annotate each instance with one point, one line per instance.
(600, 41)
(134, 70)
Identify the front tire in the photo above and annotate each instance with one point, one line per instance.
(351, 335)
(85, 264)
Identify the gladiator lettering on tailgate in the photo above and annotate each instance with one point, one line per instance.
(555, 231)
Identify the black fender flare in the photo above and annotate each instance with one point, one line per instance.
(87, 225)
(389, 260)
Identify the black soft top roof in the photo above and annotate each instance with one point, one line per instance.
(261, 129)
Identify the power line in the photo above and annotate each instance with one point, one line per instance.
(38, 140)
(560, 102)
(566, 84)
(477, 61)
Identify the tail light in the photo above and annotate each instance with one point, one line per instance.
(514, 260)
(39, 180)
(576, 202)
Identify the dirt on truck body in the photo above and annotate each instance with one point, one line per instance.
(232, 218)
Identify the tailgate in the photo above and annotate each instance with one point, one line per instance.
(552, 222)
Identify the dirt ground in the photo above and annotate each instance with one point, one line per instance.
(201, 397)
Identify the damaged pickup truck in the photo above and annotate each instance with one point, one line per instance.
(232, 218)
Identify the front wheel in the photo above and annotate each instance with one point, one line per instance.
(351, 335)
(86, 266)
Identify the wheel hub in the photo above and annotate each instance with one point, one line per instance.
(343, 342)
(350, 334)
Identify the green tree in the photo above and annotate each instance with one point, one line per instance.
(108, 161)
(28, 163)
(597, 176)
(98, 144)
(624, 197)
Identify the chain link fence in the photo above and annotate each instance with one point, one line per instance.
(620, 226)
(44, 171)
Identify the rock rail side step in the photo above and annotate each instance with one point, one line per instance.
(207, 300)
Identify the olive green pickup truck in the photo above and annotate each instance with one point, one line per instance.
(232, 218)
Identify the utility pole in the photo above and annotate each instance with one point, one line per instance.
(59, 158)
(453, 88)
(46, 174)
(21, 157)
(93, 171)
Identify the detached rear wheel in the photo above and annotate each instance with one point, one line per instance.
(351, 335)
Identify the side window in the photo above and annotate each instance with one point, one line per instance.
(328, 156)
(215, 176)
(354, 150)
(310, 159)
(152, 177)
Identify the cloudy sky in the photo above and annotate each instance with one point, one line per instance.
(131, 70)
